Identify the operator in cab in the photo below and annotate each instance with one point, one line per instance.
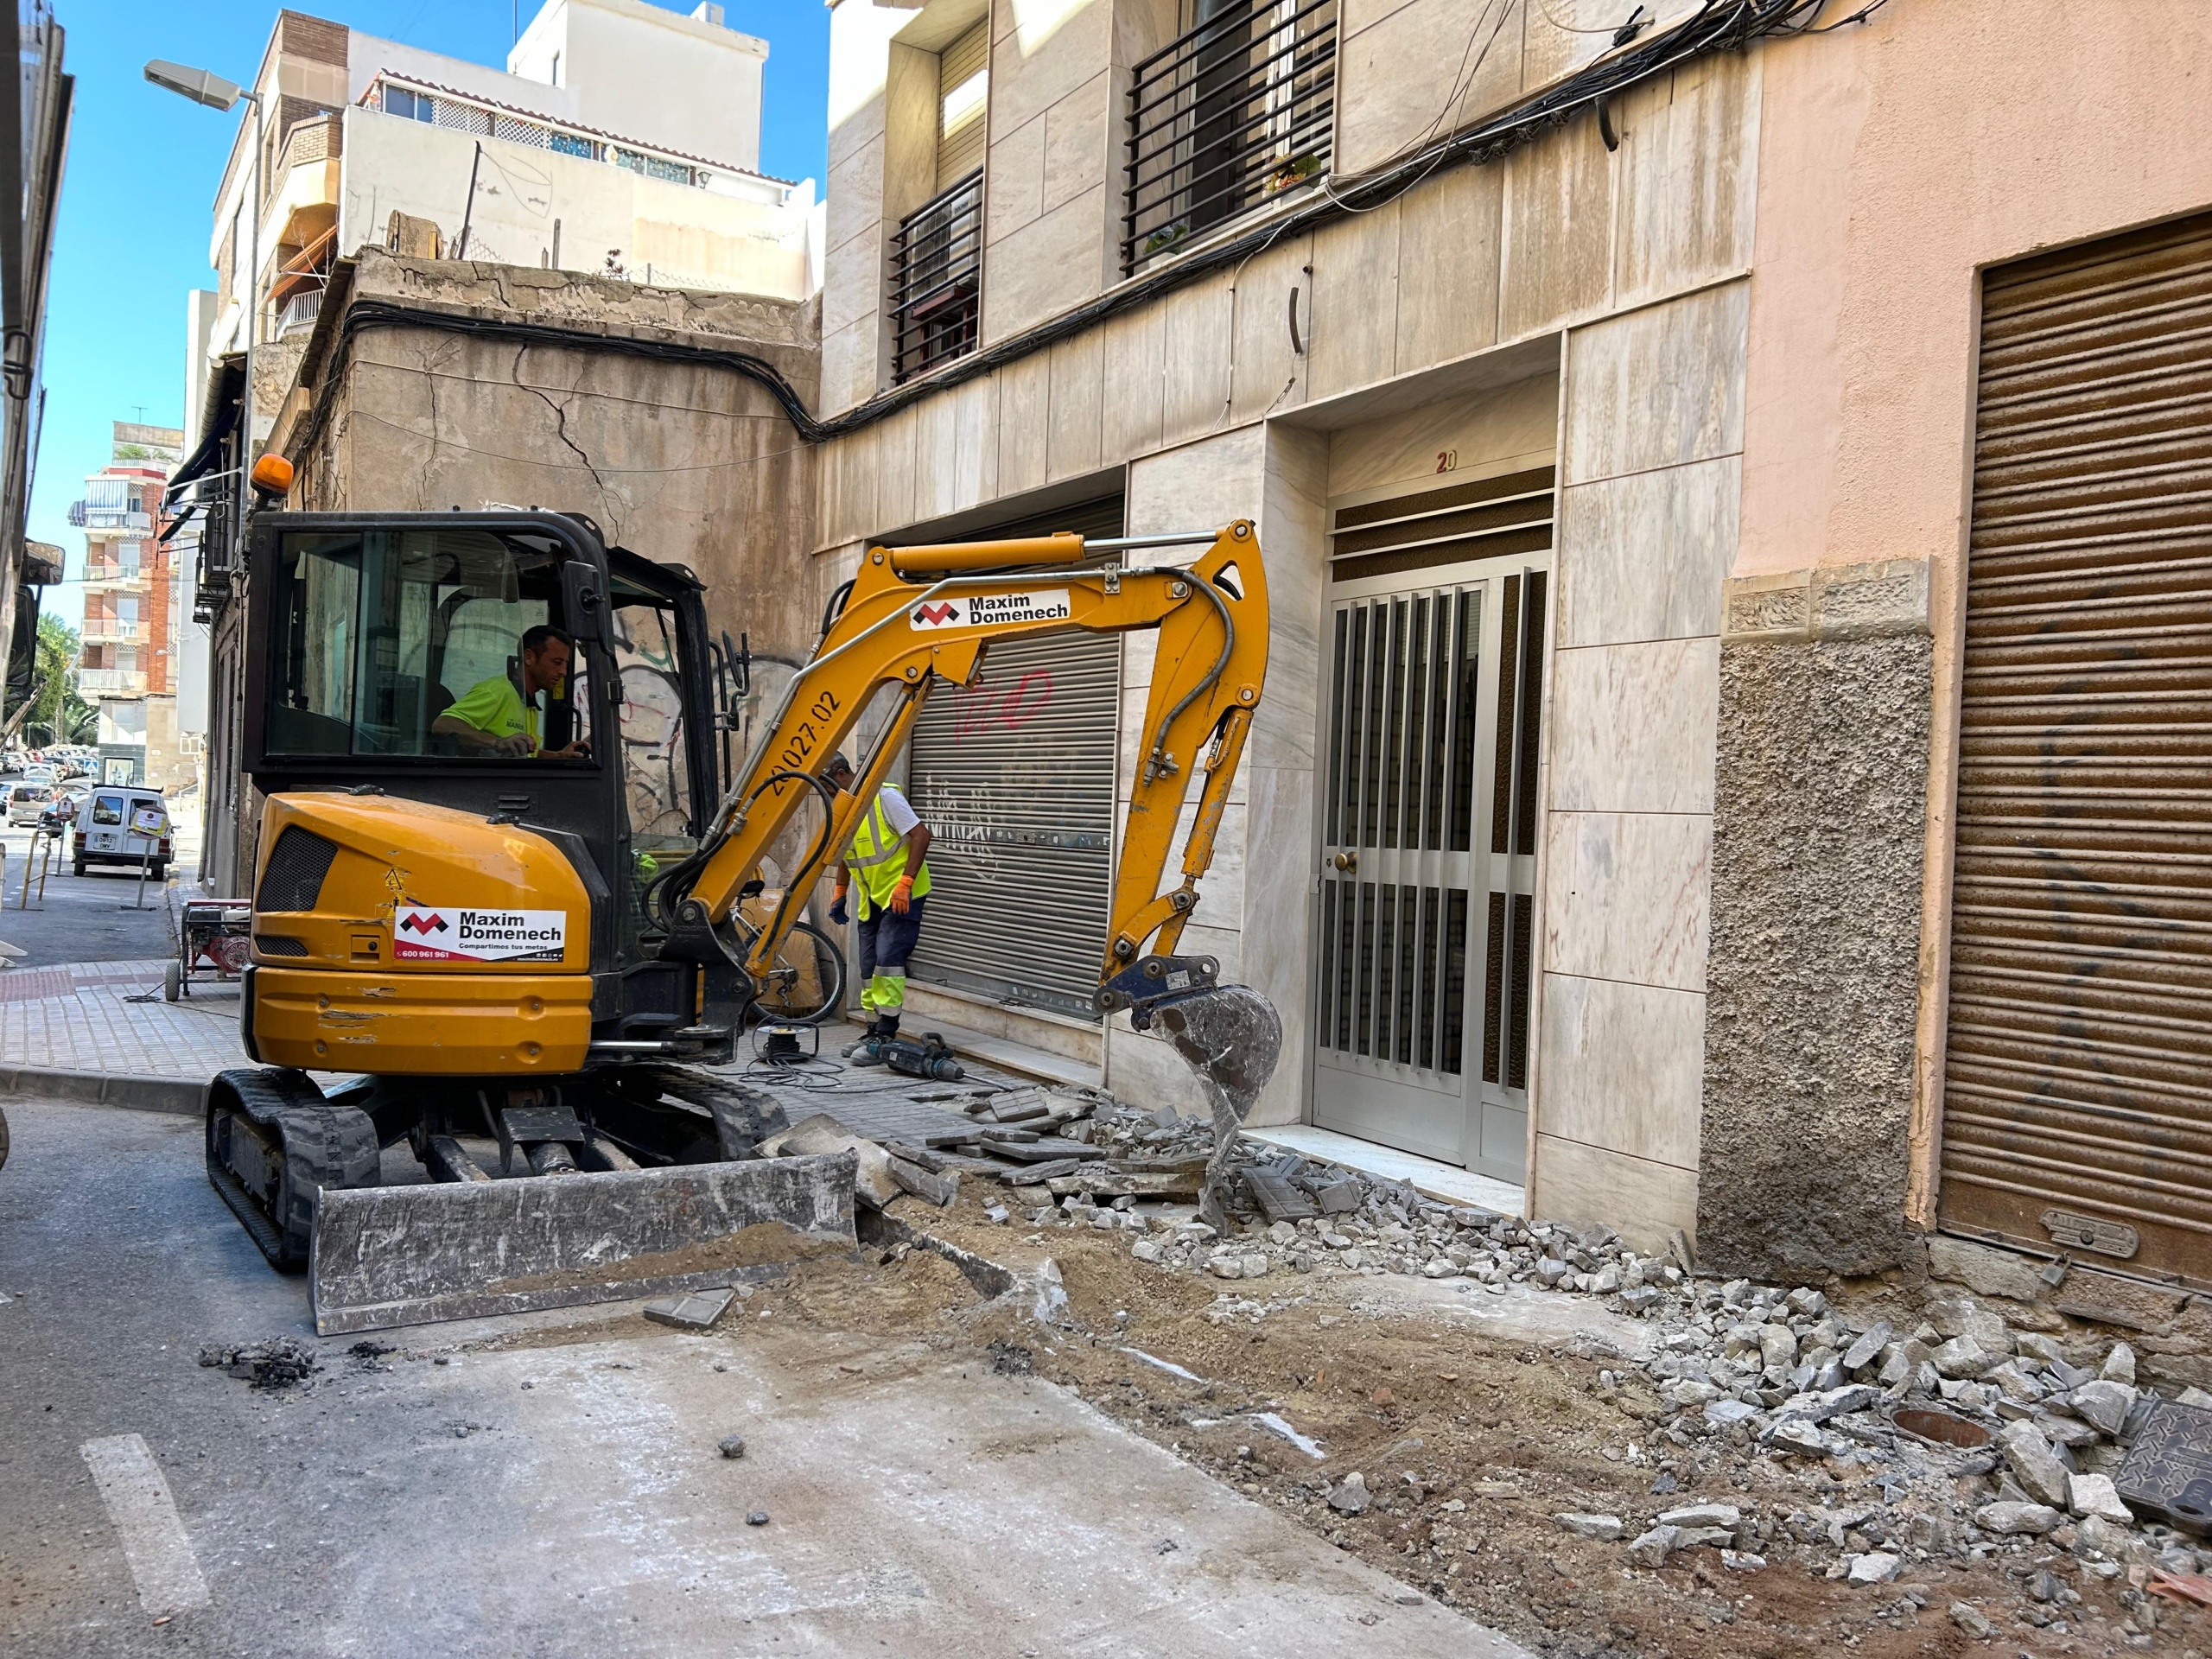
(499, 715)
(887, 852)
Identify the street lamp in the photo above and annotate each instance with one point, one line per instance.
(216, 93)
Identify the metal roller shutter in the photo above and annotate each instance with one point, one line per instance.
(2077, 1112)
(963, 69)
(1015, 779)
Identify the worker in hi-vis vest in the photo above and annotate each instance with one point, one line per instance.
(887, 850)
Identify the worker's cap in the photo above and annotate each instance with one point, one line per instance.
(835, 763)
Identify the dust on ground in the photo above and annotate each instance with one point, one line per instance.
(1471, 1446)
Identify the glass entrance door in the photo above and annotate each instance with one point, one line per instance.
(1428, 861)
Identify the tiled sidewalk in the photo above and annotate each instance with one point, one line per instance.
(82, 1019)
(85, 1020)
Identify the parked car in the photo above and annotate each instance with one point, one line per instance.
(122, 826)
(41, 772)
(25, 801)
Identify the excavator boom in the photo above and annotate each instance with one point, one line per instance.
(917, 617)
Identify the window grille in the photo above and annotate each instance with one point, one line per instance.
(935, 288)
(1234, 113)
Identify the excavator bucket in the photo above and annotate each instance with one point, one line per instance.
(1231, 1036)
(387, 1255)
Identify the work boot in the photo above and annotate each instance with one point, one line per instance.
(870, 1050)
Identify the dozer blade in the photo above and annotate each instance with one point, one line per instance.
(1231, 1036)
(387, 1255)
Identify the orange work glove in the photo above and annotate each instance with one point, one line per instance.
(902, 894)
(837, 904)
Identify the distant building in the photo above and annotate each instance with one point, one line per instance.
(35, 110)
(131, 593)
(621, 139)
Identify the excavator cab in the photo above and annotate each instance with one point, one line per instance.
(513, 894)
(388, 663)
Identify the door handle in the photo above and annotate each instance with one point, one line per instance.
(1345, 862)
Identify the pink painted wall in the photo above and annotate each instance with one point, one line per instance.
(1896, 159)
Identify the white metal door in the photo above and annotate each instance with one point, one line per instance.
(1427, 861)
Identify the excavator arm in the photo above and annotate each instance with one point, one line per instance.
(919, 617)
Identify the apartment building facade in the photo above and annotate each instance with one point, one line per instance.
(36, 106)
(133, 588)
(1686, 446)
(620, 138)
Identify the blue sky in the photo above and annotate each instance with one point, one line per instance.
(144, 165)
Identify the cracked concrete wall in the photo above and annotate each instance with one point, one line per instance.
(1820, 819)
(686, 463)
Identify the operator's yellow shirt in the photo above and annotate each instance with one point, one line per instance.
(496, 706)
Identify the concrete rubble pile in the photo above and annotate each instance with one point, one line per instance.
(1981, 1440)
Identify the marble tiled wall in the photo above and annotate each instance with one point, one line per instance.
(1179, 392)
(1253, 909)
(1652, 468)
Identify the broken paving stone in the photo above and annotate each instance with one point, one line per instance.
(1795, 1434)
(2029, 1456)
(1737, 1561)
(2012, 1520)
(1971, 1619)
(732, 1445)
(2120, 1366)
(1726, 1414)
(1440, 1267)
(1703, 1515)
(923, 1184)
(1350, 1495)
(1652, 1547)
(1637, 1298)
(1868, 1349)
(1605, 1528)
(696, 1311)
(1875, 1566)
(758, 1518)
(1961, 1358)
(2104, 1405)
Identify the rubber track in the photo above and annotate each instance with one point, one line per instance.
(744, 1116)
(323, 1145)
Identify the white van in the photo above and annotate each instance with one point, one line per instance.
(122, 826)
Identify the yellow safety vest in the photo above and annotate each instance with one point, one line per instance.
(878, 857)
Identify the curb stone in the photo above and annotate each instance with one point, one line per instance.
(182, 1096)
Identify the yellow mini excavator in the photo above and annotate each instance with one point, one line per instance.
(510, 888)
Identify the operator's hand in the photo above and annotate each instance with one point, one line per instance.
(579, 750)
(902, 894)
(515, 743)
(838, 905)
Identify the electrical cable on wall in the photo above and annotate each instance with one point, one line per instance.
(1717, 26)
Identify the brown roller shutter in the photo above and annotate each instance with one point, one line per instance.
(2077, 1109)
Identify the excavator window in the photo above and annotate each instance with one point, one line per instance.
(388, 642)
(655, 764)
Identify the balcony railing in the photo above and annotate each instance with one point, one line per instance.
(98, 629)
(1234, 114)
(298, 314)
(124, 682)
(936, 259)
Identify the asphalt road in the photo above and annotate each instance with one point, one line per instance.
(87, 918)
(551, 1486)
